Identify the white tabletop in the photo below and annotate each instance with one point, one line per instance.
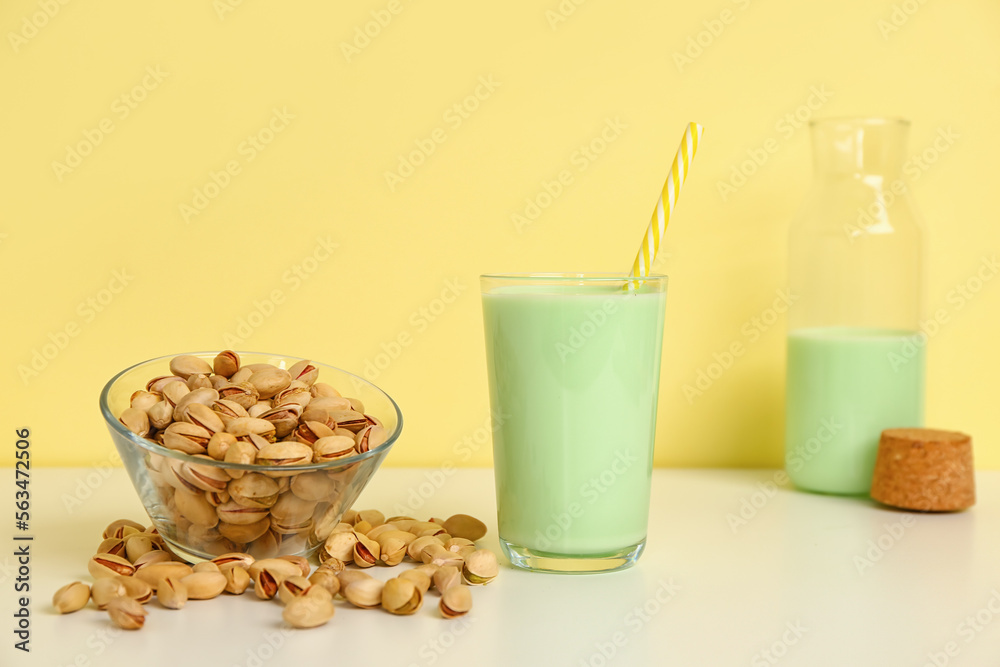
(806, 580)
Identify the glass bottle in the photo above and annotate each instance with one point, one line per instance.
(855, 357)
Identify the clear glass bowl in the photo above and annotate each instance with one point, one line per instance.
(159, 474)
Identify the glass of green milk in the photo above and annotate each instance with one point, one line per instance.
(574, 367)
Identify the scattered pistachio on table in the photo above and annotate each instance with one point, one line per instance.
(124, 583)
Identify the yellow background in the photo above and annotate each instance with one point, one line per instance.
(559, 79)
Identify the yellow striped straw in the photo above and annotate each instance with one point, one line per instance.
(671, 190)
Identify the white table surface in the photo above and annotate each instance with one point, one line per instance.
(803, 582)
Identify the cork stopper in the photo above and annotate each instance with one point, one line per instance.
(924, 469)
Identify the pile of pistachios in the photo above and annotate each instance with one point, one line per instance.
(255, 414)
(133, 564)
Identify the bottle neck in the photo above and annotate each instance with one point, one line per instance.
(859, 146)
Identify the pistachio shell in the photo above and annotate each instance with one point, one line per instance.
(327, 578)
(285, 453)
(279, 566)
(481, 567)
(171, 593)
(366, 551)
(204, 416)
(152, 574)
(364, 593)
(105, 590)
(239, 559)
(465, 526)
(185, 365)
(160, 415)
(237, 579)
(269, 381)
(195, 508)
(254, 490)
(308, 612)
(401, 596)
(446, 577)
(456, 601)
(126, 613)
(301, 561)
(137, 589)
(240, 515)
(120, 528)
(204, 585)
(71, 597)
(420, 579)
(226, 363)
(243, 394)
(292, 587)
(135, 420)
(151, 557)
(106, 565)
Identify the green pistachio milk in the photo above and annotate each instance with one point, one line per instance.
(573, 373)
(845, 385)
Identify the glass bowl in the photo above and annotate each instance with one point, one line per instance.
(182, 493)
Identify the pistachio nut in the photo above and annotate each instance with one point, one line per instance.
(362, 527)
(205, 566)
(392, 550)
(304, 372)
(160, 415)
(370, 437)
(122, 528)
(383, 528)
(291, 588)
(254, 490)
(326, 578)
(455, 601)
(219, 444)
(366, 551)
(195, 508)
(460, 545)
(107, 565)
(205, 477)
(135, 420)
(313, 486)
(259, 408)
(319, 389)
(269, 381)
(201, 396)
(229, 410)
(465, 526)
(186, 437)
(241, 452)
(174, 392)
(148, 558)
(363, 593)
(348, 577)
(446, 577)
(308, 612)
(292, 510)
(152, 574)
(244, 533)
(278, 566)
(71, 597)
(185, 365)
(308, 432)
(236, 558)
(242, 427)
(427, 568)
(226, 363)
(171, 593)
(265, 546)
(158, 383)
(292, 395)
(416, 548)
(331, 448)
(237, 579)
(438, 555)
(139, 544)
(144, 400)
(301, 561)
(204, 585)
(352, 420)
(137, 589)
(284, 417)
(114, 546)
(401, 596)
(198, 381)
(105, 590)
(204, 416)
(241, 376)
(481, 567)
(266, 582)
(126, 613)
(420, 579)
(245, 395)
(240, 515)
